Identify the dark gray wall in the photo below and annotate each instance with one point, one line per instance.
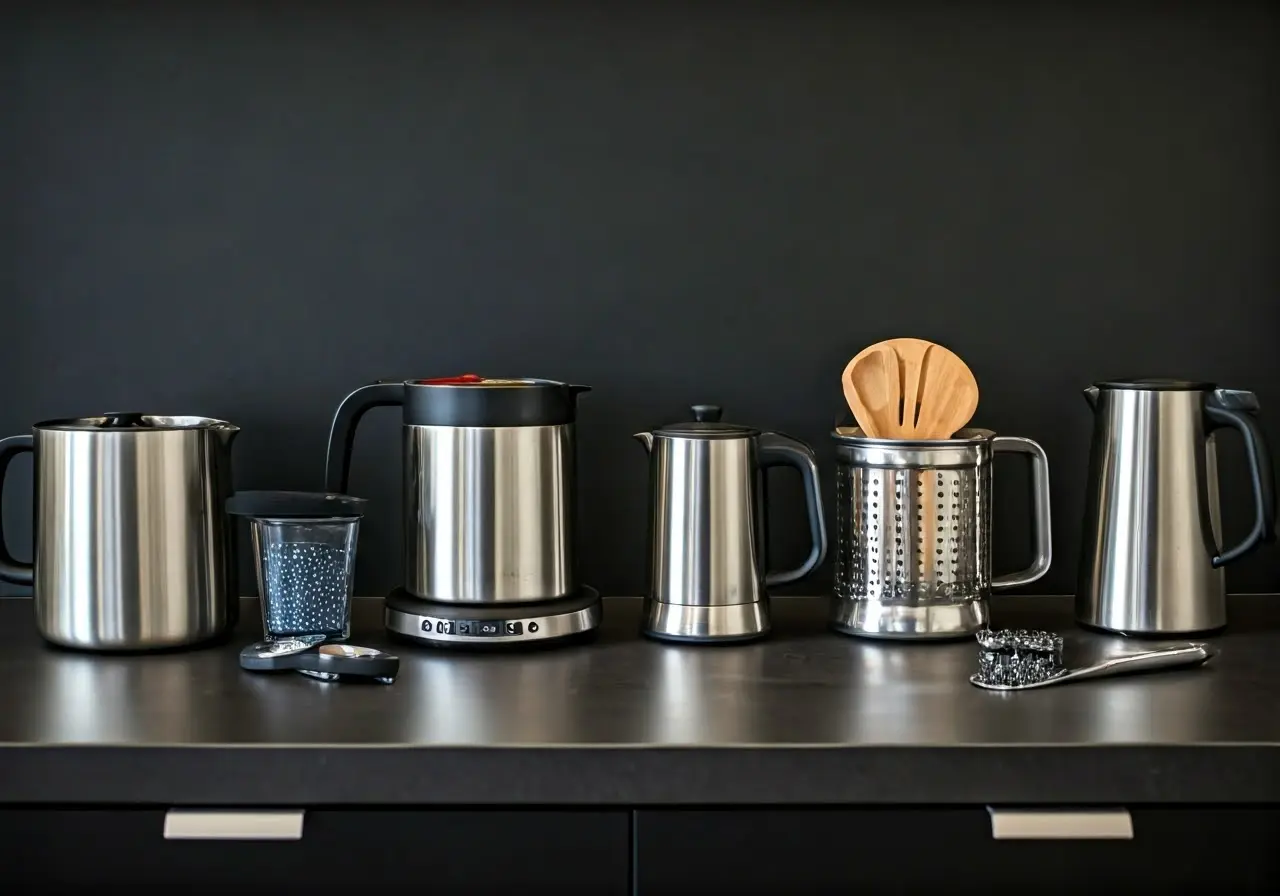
(245, 214)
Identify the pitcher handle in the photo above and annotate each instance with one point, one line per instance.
(1233, 408)
(777, 450)
(13, 570)
(342, 432)
(1039, 510)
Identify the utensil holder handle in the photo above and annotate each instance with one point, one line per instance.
(1039, 510)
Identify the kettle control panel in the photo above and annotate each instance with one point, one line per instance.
(442, 623)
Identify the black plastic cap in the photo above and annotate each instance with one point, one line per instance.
(295, 505)
(1156, 384)
(472, 400)
(706, 425)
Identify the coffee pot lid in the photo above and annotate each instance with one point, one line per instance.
(706, 425)
(295, 505)
(1156, 384)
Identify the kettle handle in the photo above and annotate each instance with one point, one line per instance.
(13, 570)
(1227, 407)
(1039, 509)
(342, 433)
(777, 450)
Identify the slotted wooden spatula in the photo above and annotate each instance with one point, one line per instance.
(872, 388)
(948, 395)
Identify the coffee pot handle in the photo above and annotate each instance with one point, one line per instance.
(342, 433)
(1230, 407)
(1039, 510)
(13, 570)
(777, 450)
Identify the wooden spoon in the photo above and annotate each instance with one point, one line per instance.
(871, 386)
(948, 395)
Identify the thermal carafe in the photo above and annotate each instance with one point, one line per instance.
(489, 504)
(1151, 559)
(133, 548)
(708, 516)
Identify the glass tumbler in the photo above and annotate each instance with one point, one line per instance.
(306, 573)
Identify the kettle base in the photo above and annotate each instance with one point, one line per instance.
(909, 622)
(703, 624)
(490, 625)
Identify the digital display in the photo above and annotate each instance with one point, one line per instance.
(474, 628)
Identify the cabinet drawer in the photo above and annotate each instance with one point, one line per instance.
(442, 851)
(957, 850)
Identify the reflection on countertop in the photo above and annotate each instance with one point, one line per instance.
(802, 686)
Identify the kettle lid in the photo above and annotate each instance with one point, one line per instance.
(1156, 384)
(295, 505)
(706, 425)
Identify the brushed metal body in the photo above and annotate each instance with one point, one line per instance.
(1151, 559)
(707, 510)
(132, 546)
(490, 513)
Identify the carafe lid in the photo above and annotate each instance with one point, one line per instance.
(295, 505)
(1156, 384)
(706, 425)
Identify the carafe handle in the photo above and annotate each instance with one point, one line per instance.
(777, 450)
(1039, 510)
(12, 570)
(342, 433)
(1231, 407)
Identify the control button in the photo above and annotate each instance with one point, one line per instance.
(426, 626)
(444, 627)
(515, 628)
(462, 628)
(489, 628)
(533, 627)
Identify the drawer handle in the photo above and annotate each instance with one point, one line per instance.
(200, 824)
(1049, 824)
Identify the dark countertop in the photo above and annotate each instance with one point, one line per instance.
(804, 717)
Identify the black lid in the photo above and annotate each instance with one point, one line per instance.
(295, 505)
(474, 400)
(1156, 384)
(706, 425)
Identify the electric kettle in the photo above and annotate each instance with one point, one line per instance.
(1151, 560)
(707, 524)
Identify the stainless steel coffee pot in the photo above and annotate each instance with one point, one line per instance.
(133, 548)
(490, 499)
(1151, 561)
(707, 524)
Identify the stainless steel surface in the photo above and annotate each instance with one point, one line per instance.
(1152, 523)
(133, 548)
(223, 824)
(913, 533)
(707, 522)
(538, 624)
(489, 513)
(923, 622)
(717, 622)
(1171, 657)
(1060, 824)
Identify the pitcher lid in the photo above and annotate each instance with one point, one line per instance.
(1156, 384)
(706, 425)
(133, 422)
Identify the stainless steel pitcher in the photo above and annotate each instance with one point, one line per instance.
(708, 515)
(1151, 561)
(133, 548)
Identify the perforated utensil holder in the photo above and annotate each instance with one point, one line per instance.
(913, 533)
